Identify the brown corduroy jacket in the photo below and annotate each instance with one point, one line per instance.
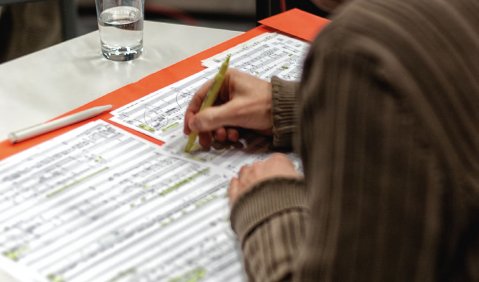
(388, 109)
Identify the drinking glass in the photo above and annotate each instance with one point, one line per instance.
(121, 28)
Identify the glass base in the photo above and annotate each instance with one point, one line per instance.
(121, 54)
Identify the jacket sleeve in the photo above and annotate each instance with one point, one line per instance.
(375, 179)
(270, 221)
(374, 182)
(284, 112)
(328, 5)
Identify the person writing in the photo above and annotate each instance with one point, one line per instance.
(386, 124)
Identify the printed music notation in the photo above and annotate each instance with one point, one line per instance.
(160, 114)
(99, 204)
(265, 56)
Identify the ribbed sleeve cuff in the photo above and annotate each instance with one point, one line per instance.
(284, 111)
(267, 199)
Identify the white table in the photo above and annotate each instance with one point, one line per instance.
(47, 83)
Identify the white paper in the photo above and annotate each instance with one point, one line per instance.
(100, 204)
(160, 114)
(266, 55)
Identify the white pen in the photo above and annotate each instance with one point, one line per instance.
(42, 128)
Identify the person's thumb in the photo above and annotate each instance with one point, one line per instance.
(213, 118)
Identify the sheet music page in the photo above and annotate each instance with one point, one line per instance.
(266, 55)
(100, 204)
(160, 114)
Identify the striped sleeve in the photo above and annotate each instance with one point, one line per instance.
(375, 181)
(270, 223)
(284, 112)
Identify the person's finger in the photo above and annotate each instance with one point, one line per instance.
(215, 117)
(186, 128)
(195, 104)
(233, 134)
(204, 139)
(233, 187)
(220, 134)
(233, 190)
(243, 173)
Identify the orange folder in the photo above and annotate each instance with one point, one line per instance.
(293, 22)
(297, 23)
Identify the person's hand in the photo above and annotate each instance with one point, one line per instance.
(278, 165)
(243, 101)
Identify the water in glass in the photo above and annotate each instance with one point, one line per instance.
(121, 33)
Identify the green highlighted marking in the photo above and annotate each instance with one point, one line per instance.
(183, 182)
(170, 126)
(55, 278)
(146, 127)
(15, 253)
(68, 186)
(166, 222)
(195, 275)
(99, 159)
(205, 200)
(123, 274)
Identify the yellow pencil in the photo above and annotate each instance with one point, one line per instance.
(210, 99)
